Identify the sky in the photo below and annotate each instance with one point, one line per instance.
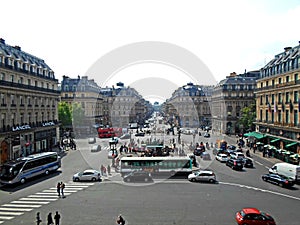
(151, 45)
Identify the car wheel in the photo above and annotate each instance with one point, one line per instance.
(193, 179)
(211, 181)
(93, 179)
(23, 180)
(76, 179)
(47, 172)
(265, 179)
(280, 184)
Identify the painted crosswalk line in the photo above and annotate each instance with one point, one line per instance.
(18, 207)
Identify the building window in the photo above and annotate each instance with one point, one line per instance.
(2, 76)
(21, 101)
(295, 117)
(29, 117)
(29, 101)
(295, 76)
(273, 83)
(273, 97)
(12, 99)
(296, 97)
(267, 99)
(12, 78)
(21, 118)
(29, 82)
(279, 80)
(36, 117)
(279, 116)
(35, 83)
(21, 80)
(267, 83)
(287, 116)
(279, 98)
(287, 97)
(2, 99)
(287, 79)
(66, 88)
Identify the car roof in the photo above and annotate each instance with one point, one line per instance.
(222, 154)
(251, 210)
(205, 171)
(89, 170)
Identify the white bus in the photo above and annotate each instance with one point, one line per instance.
(24, 168)
(156, 165)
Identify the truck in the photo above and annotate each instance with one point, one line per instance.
(286, 169)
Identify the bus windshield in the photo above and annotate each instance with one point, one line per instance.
(8, 172)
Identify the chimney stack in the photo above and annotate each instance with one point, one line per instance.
(286, 49)
(2, 41)
(17, 47)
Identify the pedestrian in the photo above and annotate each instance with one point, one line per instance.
(62, 187)
(49, 219)
(58, 189)
(38, 218)
(102, 170)
(120, 220)
(57, 218)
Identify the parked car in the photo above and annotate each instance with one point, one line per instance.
(280, 180)
(87, 175)
(203, 175)
(235, 164)
(206, 135)
(125, 136)
(96, 148)
(138, 176)
(248, 162)
(222, 157)
(92, 140)
(252, 216)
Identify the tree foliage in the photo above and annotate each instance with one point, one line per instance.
(248, 117)
(65, 114)
(78, 114)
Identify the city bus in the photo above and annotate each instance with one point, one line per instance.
(109, 132)
(24, 168)
(179, 165)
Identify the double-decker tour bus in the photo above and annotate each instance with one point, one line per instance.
(109, 132)
(157, 165)
(24, 168)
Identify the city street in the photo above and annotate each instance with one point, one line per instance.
(172, 201)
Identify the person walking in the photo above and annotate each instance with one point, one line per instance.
(108, 169)
(120, 220)
(58, 189)
(57, 218)
(62, 187)
(49, 219)
(38, 218)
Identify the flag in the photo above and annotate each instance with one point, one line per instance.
(275, 107)
(299, 105)
(269, 107)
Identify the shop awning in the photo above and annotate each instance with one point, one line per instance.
(273, 141)
(291, 144)
(254, 134)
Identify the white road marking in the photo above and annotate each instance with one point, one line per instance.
(38, 199)
(1, 221)
(12, 213)
(19, 205)
(258, 163)
(6, 217)
(14, 209)
(262, 190)
(29, 202)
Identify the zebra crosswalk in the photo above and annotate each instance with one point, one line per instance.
(11, 210)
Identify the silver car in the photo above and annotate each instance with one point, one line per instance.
(203, 175)
(87, 175)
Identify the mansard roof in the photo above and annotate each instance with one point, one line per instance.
(16, 53)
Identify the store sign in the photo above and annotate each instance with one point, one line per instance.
(24, 127)
(48, 124)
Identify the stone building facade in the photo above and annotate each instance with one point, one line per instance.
(29, 95)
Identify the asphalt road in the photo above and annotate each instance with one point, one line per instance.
(174, 201)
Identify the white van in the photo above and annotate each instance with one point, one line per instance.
(286, 169)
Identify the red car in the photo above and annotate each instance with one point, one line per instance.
(252, 216)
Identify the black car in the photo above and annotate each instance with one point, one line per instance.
(248, 162)
(236, 164)
(206, 135)
(138, 176)
(280, 180)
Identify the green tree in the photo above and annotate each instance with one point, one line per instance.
(65, 114)
(78, 114)
(248, 117)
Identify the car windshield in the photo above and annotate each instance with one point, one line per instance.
(267, 216)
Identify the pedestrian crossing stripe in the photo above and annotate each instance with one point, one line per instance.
(16, 208)
(19, 205)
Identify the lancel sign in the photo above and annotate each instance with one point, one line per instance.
(48, 124)
(23, 127)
